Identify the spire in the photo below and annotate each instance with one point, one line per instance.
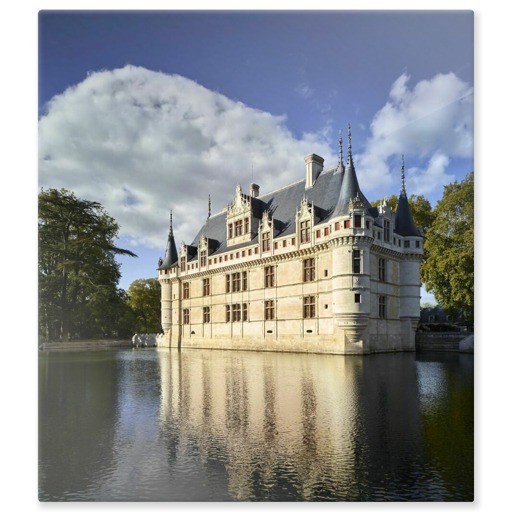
(404, 223)
(209, 206)
(171, 254)
(350, 163)
(402, 172)
(341, 167)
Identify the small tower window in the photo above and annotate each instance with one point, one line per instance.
(356, 261)
(357, 221)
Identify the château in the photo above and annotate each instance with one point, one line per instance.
(310, 267)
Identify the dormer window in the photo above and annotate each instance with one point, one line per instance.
(265, 241)
(203, 258)
(305, 231)
(239, 227)
(357, 221)
(386, 231)
(239, 219)
(183, 263)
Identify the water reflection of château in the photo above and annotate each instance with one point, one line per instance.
(293, 426)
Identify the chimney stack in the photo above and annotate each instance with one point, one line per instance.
(254, 190)
(314, 166)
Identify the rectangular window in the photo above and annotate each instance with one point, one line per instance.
(309, 307)
(318, 233)
(367, 224)
(243, 254)
(183, 264)
(382, 269)
(356, 261)
(244, 312)
(244, 280)
(284, 243)
(250, 252)
(386, 231)
(246, 228)
(269, 310)
(186, 316)
(378, 235)
(293, 241)
(417, 244)
(265, 242)
(336, 226)
(186, 290)
(239, 227)
(357, 298)
(357, 221)
(407, 244)
(206, 315)
(346, 224)
(228, 283)
(305, 231)
(203, 258)
(275, 245)
(326, 231)
(230, 230)
(382, 306)
(206, 287)
(236, 313)
(228, 313)
(269, 277)
(308, 267)
(255, 250)
(235, 282)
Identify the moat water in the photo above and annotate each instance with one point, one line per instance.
(163, 425)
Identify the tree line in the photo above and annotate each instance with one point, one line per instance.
(78, 274)
(79, 296)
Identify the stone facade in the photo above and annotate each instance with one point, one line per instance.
(311, 267)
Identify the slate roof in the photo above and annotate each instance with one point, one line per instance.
(404, 223)
(283, 204)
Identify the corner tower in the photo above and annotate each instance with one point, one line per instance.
(164, 266)
(410, 286)
(351, 260)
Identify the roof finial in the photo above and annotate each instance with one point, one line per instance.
(402, 173)
(209, 206)
(349, 159)
(170, 224)
(340, 158)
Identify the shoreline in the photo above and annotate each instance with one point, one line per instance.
(81, 344)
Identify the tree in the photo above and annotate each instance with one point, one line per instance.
(144, 299)
(421, 209)
(78, 274)
(448, 272)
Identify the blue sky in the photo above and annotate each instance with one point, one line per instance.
(150, 111)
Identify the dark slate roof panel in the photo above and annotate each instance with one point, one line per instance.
(404, 223)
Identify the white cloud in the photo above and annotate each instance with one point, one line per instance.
(142, 142)
(431, 122)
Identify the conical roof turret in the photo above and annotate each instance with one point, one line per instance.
(349, 185)
(171, 254)
(404, 223)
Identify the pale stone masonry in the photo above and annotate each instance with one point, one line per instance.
(311, 267)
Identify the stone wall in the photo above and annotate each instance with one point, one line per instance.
(439, 341)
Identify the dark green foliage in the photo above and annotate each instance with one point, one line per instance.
(78, 274)
(448, 272)
(144, 299)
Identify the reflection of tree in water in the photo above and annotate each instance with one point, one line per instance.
(78, 404)
(447, 423)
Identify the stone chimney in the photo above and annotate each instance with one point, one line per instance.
(254, 190)
(314, 166)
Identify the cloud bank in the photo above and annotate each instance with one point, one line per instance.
(142, 142)
(431, 122)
